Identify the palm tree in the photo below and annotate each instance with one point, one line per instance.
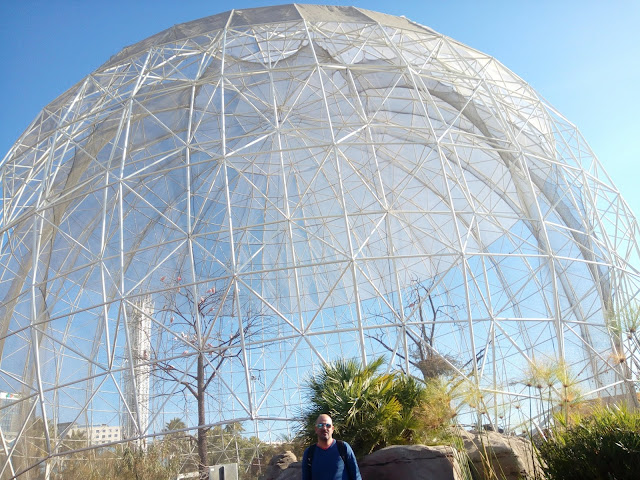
(174, 424)
(178, 445)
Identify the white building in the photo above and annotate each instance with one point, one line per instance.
(135, 411)
(8, 410)
(96, 435)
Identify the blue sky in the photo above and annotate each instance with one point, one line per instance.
(582, 56)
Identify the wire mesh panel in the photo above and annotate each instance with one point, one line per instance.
(196, 226)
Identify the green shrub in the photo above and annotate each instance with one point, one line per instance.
(434, 414)
(602, 446)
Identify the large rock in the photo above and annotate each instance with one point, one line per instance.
(277, 464)
(292, 472)
(494, 455)
(411, 462)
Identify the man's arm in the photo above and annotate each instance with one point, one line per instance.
(353, 463)
(305, 470)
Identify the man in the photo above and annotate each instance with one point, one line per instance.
(329, 459)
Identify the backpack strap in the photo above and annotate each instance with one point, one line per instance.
(342, 449)
(310, 451)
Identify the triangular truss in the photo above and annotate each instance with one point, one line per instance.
(266, 190)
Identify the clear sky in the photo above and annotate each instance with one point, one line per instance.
(582, 56)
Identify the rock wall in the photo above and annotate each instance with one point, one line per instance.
(491, 455)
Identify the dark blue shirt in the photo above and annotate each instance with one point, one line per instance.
(328, 465)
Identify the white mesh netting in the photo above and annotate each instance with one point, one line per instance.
(240, 198)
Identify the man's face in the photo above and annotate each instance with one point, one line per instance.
(324, 432)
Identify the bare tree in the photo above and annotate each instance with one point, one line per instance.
(423, 355)
(430, 363)
(205, 331)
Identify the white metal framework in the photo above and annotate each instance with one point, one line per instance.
(290, 185)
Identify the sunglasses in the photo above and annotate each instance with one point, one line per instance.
(320, 425)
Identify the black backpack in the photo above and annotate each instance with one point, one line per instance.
(342, 450)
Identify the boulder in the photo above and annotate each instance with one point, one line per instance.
(277, 464)
(292, 472)
(411, 462)
(494, 455)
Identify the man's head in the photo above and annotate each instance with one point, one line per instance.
(324, 429)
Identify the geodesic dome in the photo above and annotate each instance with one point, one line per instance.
(261, 191)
